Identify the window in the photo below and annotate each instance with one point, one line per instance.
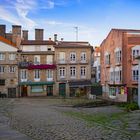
(49, 59)
(37, 59)
(118, 76)
(12, 69)
(62, 72)
(135, 75)
(23, 74)
(2, 56)
(12, 56)
(83, 71)
(73, 72)
(37, 74)
(2, 69)
(135, 53)
(107, 59)
(72, 56)
(37, 89)
(118, 56)
(49, 49)
(83, 57)
(112, 76)
(49, 75)
(62, 57)
(2, 81)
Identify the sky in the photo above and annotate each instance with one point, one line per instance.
(94, 18)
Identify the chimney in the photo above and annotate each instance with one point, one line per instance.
(55, 37)
(16, 33)
(9, 36)
(25, 34)
(39, 34)
(2, 30)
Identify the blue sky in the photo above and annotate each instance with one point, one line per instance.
(94, 18)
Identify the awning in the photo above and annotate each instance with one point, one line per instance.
(36, 83)
(80, 83)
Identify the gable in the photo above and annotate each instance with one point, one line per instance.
(6, 47)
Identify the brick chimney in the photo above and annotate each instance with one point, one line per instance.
(25, 34)
(2, 30)
(39, 34)
(16, 32)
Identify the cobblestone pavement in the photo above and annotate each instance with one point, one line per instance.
(44, 119)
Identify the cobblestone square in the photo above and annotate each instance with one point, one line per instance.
(50, 119)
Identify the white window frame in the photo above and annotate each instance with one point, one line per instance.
(135, 53)
(37, 59)
(49, 74)
(12, 56)
(73, 72)
(37, 75)
(24, 75)
(118, 56)
(12, 69)
(83, 57)
(62, 72)
(83, 72)
(62, 57)
(73, 57)
(2, 69)
(135, 75)
(107, 59)
(49, 59)
(2, 56)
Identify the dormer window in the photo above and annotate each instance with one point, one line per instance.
(49, 49)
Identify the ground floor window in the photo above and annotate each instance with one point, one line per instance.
(36, 88)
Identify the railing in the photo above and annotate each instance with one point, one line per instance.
(68, 61)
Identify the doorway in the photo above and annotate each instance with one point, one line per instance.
(62, 89)
(49, 90)
(24, 91)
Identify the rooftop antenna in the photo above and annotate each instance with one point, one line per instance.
(76, 30)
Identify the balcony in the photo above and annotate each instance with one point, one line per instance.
(68, 61)
(24, 64)
(42, 66)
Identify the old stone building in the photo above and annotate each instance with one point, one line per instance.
(37, 66)
(8, 68)
(119, 68)
(73, 60)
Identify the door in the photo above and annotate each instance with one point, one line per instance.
(49, 90)
(24, 91)
(62, 89)
(11, 92)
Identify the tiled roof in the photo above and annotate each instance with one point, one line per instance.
(7, 41)
(37, 42)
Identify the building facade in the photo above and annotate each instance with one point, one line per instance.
(73, 60)
(8, 68)
(37, 66)
(119, 68)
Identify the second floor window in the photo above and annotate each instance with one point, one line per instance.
(135, 75)
(37, 74)
(118, 76)
(112, 76)
(62, 71)
(49, 74)
(73, 71)
(12, 69)
(37, 59)
(61, 57)
(2, 69)
(23, 74)
(72, 56)
(83, 71)
(2, 56)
